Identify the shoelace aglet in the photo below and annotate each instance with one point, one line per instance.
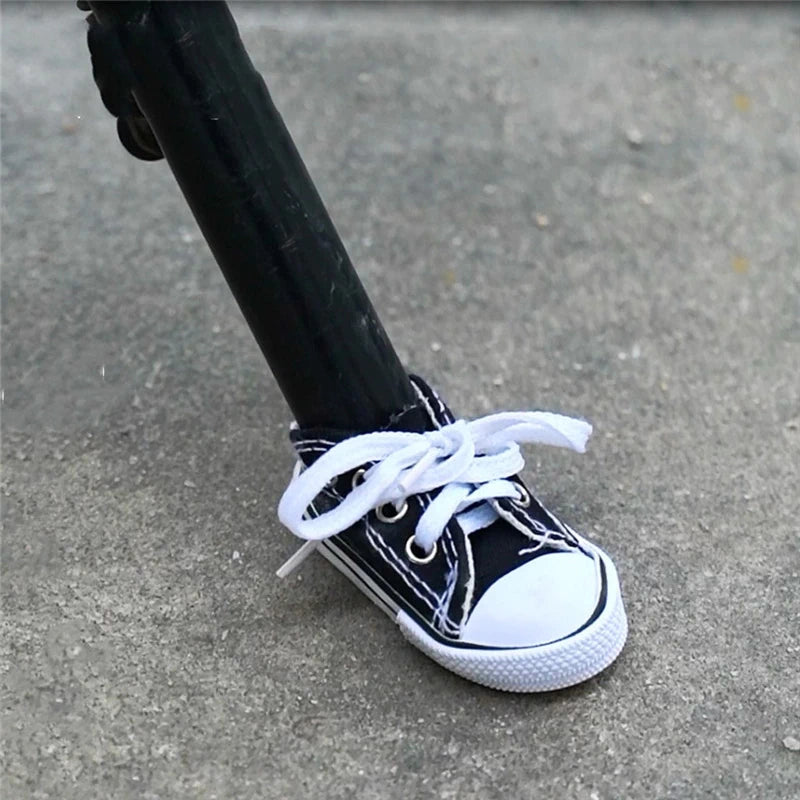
(296, 560)
(426, 461)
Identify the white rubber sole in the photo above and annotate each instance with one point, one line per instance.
(544, 668)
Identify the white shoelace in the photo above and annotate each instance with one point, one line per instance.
(469, 461)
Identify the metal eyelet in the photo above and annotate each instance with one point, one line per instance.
(358, 477)
(524, 500)
(394, 513)
(413, 557)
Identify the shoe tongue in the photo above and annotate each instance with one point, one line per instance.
(428, 414)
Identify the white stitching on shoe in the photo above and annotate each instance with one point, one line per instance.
(434, 419)
(447, 600)
(372, 534)
(453, 562)
(450, 550)
(457, 626)
(444, 413)
(402, 565)
(549, 533)
(439, 619)
(444, 417)
(449, 554)
(538, 526)
(549, 540)
(470, 587)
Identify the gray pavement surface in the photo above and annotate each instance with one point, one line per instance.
(589, 210)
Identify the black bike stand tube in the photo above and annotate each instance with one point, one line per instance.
(259, 211)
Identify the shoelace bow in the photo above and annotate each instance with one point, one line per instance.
(470, 462)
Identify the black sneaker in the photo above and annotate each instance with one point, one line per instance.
(430, 520)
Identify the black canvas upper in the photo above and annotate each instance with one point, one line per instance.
(440, 594)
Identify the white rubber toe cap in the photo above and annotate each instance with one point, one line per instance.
(544, 600)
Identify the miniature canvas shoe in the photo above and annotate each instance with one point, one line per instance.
(431, 521)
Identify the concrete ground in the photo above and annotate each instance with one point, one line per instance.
(591, 210)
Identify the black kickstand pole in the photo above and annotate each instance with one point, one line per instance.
(178, 78)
